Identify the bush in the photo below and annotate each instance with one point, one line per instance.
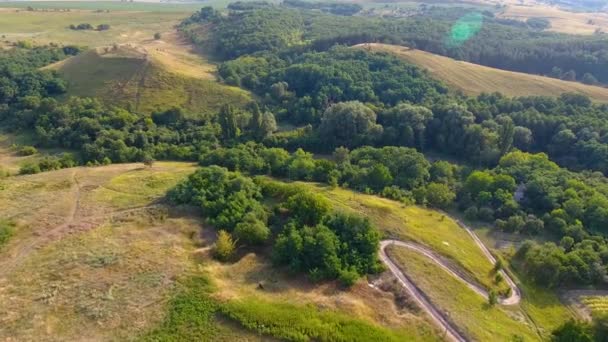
(492, 298)
(27, 151)
(224, 246)
(6, 232)
(157, 36)
(471, 213)
(252, 231)
(29, 169)
(348, 277)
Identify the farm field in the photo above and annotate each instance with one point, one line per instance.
(40, 28)
(473, 79)
(561, 20)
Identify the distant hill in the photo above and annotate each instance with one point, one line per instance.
(473, 79)
(134, 78)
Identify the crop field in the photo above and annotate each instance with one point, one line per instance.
(561, 20)
(473, 79)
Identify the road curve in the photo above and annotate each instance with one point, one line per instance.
(451, 332)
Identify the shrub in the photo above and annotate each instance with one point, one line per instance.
(348, 277)
(27, 151)
(29, 169)
(252, 230)
(224, 246)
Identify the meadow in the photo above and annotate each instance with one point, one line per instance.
(473, 79)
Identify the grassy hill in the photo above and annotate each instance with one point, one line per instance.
(95, 254)
(143, 79)
(473, 79)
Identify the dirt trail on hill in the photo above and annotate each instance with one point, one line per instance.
(75, 221)
(450, 330)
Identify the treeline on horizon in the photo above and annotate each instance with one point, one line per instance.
(500, 43)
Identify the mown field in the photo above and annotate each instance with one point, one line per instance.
(473, 79)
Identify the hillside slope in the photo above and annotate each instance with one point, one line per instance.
(143, 81)
(473, 79)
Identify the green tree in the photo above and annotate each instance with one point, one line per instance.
(307, 207)
(228, 121)
(439, 195)
(572, 331)
(349, 124)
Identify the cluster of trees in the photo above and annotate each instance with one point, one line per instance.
(399, 173)
(309, 238)
(330, 7)
(87, 26)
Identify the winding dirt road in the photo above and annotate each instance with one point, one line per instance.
(451, 331)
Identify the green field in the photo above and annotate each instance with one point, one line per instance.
(469, 311)
(95, 254)
(41, 28)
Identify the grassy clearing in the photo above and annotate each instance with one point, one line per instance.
(468, 310)
(418, 224)
(118, 5)
(193, 314)
(110, 274)
(305, 323)
(42, 28)
(473, 79)
(544, 308)
(128, 77)
(106, 284)
(141, 186)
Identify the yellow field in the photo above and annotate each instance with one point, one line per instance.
(473, 79)
(561, 20)
(53, 27)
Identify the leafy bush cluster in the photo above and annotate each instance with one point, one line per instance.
(308, 238)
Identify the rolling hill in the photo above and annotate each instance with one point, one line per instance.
(473, 79)
(145, 79)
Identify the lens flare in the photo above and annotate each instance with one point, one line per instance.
(464, 29)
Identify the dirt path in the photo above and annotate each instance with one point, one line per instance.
(450, 330)
(72, 223)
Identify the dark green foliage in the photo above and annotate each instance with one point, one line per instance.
(307, 208)
(573, 331)
(341, 246)
(226, 198)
